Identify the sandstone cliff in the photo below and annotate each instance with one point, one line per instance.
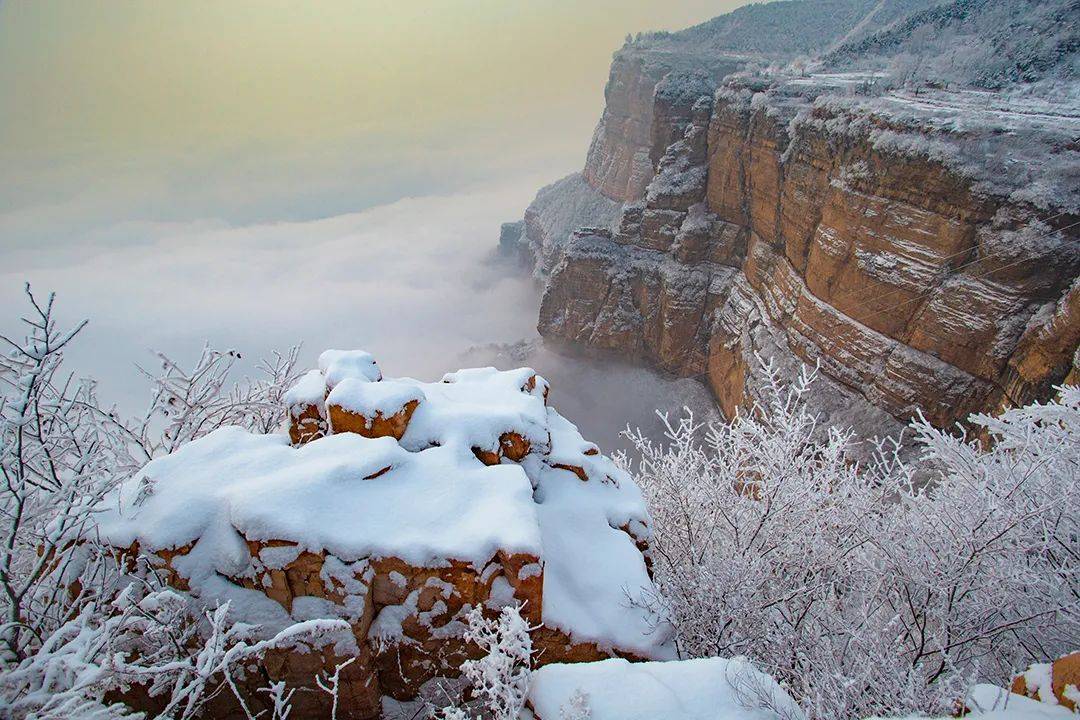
(923, 251)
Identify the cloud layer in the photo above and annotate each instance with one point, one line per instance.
(416, 282)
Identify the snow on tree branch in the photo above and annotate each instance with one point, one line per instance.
(868, 588)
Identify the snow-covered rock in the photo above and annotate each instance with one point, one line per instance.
(1055, 683)
(989, 702)
(398, 506)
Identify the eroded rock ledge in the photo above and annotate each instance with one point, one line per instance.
(398, 506)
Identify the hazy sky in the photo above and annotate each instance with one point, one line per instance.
(260, 173)
(303, 97)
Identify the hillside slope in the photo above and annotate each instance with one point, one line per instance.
(978, 43)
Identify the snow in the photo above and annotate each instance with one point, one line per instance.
(683, 87)
(310, 389)
(474, 407)
(371, 398)
(990, 701)
(426, 499)
(569, 448)
(1039, 679)
(336, 365)
(705, 689)
(429, 506)
(559, 209)
(593, 572)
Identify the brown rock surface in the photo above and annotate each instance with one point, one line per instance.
(343, 420)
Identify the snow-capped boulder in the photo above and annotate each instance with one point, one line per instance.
(338, 365)
(372, 409)
(397, 506)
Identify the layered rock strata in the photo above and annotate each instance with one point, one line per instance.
(397, 506)
(769, 221)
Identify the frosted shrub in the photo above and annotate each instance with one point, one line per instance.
(150, 639)
(500, 679)
(76, 623)
(860, 590)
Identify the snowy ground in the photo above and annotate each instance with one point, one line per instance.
(707, 689)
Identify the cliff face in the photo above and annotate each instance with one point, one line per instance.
(629, 139)
(770, 225)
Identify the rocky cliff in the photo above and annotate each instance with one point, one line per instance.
(921, 250)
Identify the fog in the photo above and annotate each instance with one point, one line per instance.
(260, 175)
(417, 282)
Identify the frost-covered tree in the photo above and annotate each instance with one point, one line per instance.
(497, 682)
(79, 624)
(865, 591)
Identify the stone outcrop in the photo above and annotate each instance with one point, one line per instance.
(397, 506)
(1057, 683)
(759, 223)
(392, 424)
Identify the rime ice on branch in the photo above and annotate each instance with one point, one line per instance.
(399, 506)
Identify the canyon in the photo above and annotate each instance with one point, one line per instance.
(737, 227)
